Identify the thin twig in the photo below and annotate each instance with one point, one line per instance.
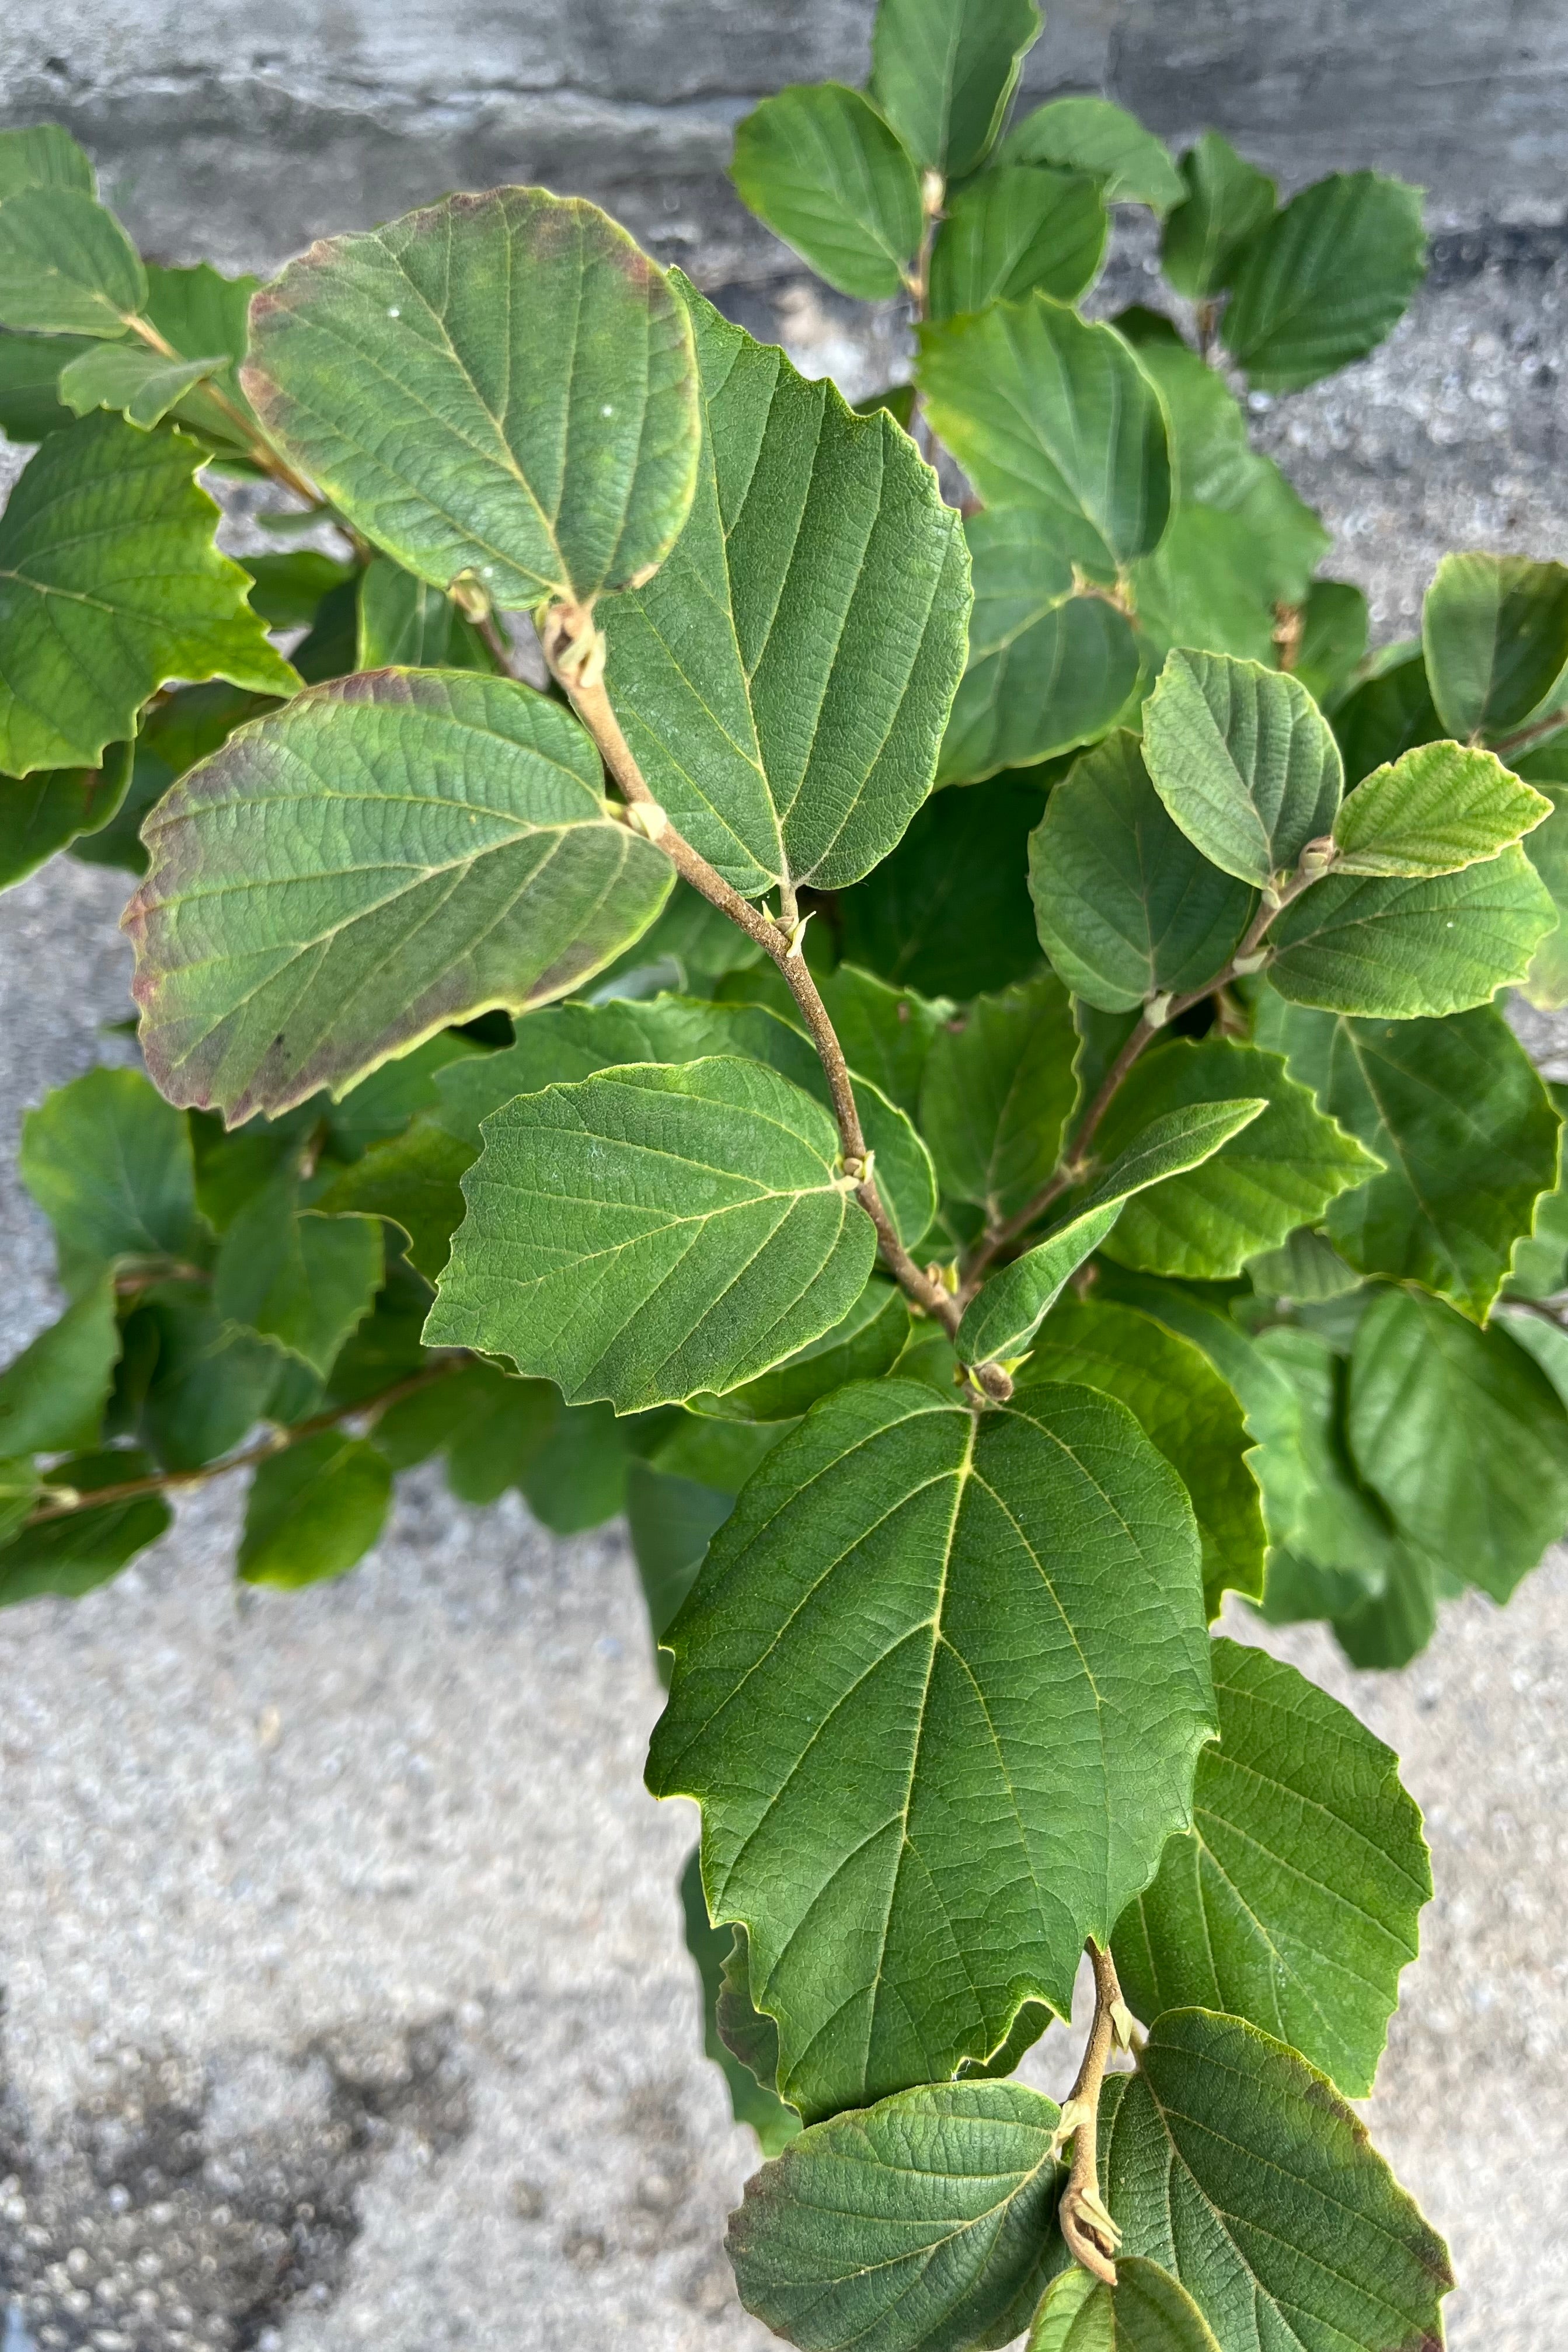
(1092, 2237)
(1537, 730)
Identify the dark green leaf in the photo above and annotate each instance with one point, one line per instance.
(109, 1165)
(1396, 1624)
(1435, 810)
(1047, 670)
(287, 589)
(1306, 1267)
(1045, 412)
(887, 1033)
(1090, 134)
(406, 623)
(1546, 981)
(964, 1665)
(743, 2030)
(576, 1477)
(305, 1281)
(712, 1948)
(866, 1344)
(1334, 625)
(998, 1087)
(949, 912)
(53, 1394)
(1147, 2311)
(1227, 201)
(141, 383)
(436, 843)
(1462, 1435)
(1127, 907)
(73, 1553)
(1244, 760)
(1494, 630)
(784, 679)
(1184, 1408)
(1013, 229)
(208, 1383)
(653, 1232)
(31, 365)
(43, 156)
(110, 583)
(1328, 278)
(821, 167)
(416, 1180)
(943, 72)
(670, 1521)
(1278, 1172)
(198, 311)
(177, 731)
(1233, 2164)
(42, 813)
(1205, 584)
(498, 384)
(66, 264)
(1293, 1900)
(313, 1510)
(1386, 715)
(1403, 949)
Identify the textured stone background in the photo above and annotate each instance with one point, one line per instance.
(345, 2001)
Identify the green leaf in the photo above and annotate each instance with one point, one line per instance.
(1013, 229)
(177, 731)
(108, 1162)
(206, 1382)
(53, 1394)
(142, 384)
(1294, 1898)
(1328, 278)
(670, 1521)
(949, 912)
(1127, 907)
(66, 265)
(1047, 670)
(404, 622)
(1546, 983)
(1334, 625)
(498, 384)
(1396, 1624)
(917, 2226)
(287, 589)
(1494, 630)
(305, 1281)
(1004, 1315)
(864, 1345)
(712, 1949)
(942, 71)
(1235, 2166)
(42, 813)
(1147, 2311)
(81, 1549)
(783, 681)
(1305, 1269)
(1402, 949)
(313, 1510)
(742, 2029)
(436, 843)
(1435, 810)
(1184, 1408)
(822, 168)
(1045, 412)
(1227, 201)
(887, 1033)
(1466, 1133)
(1090, 134)
(1279, 1172)
(1462, 1435)
(43, 156)
(1244, 760)
(198, 310)
(655, 1231)
(110, 583)
(997, 1091)
(956, 1669)
(1205, 585)
(31, 365)
(416, 1180)
(1388, 714)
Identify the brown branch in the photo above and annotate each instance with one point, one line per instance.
(130, 1490)
(1091, 2236)
(574, 651)
(1536, 731)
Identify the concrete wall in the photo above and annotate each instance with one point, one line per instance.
(241, 131)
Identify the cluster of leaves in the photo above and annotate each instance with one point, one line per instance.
(967, 1235)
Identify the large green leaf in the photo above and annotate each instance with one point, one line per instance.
(821, 167)
(313, 1510)
(920, 2225)
(997, 1090)
(67, 266)
(1227, 201)
(305, 1281)
(1466, 1133)
(80, 1549)
(1335, 626)
(784, 679)
(52, 1396)
(110, 583)
(949, 912)
(1045, 412)
(943, 72)
(1244, 760)
(1232, 2163)
(654, 1231)
(1047, 670)
(1146, 2311)
(1462, 1435)
(1184, 1407)
(1090, 134)
(1433, 811)
(1005, 1313)
(1402, 949)
(1205, 584)
(867, 1343)
(42, 813)
(1127, 907)
(108, 1162)
(1494, 630)
(43, 156)
(1294, 1898)
(499, 384)
(1326, 280)
(436, 841)
(1013, 229)
(954, 1670)
(1279, 1172)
